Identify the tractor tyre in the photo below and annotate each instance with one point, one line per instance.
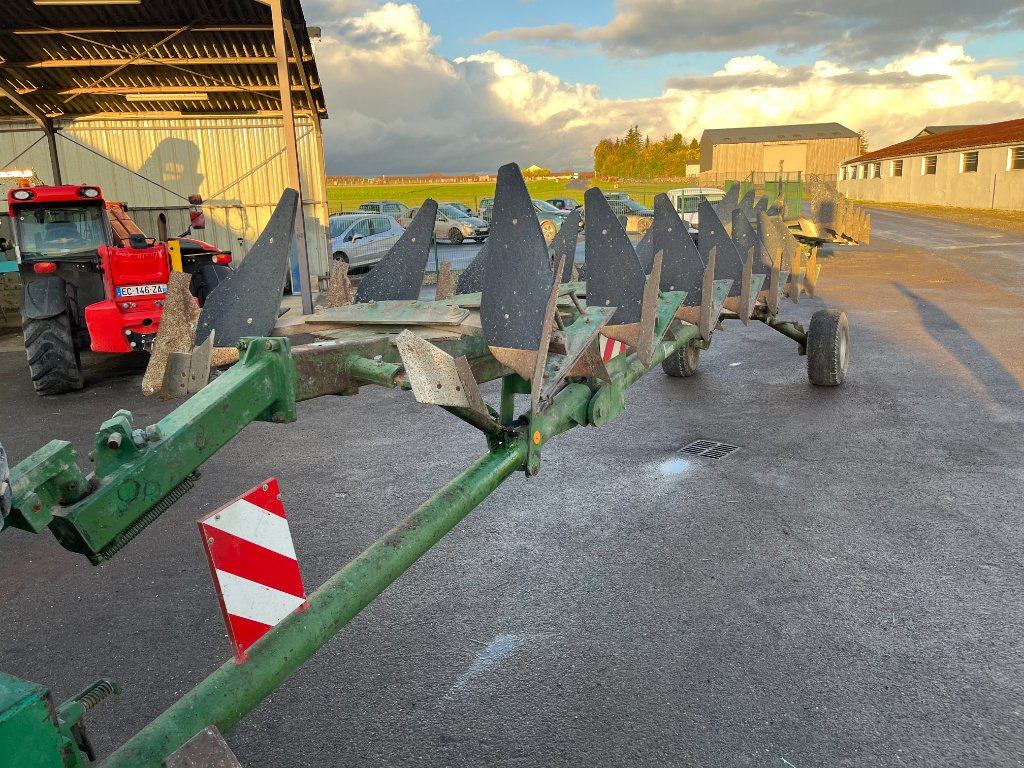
(828, 348)
(682, 363)
(549, 229)
(455, 236)
(53, 360)
(206, 280)
(5, 486)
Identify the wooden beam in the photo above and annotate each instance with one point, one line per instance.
(194, 61)
(112, 90)
(125, 30)
(25, 106)
(302, 71)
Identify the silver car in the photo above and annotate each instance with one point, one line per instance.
(455, 226)
(362, 239)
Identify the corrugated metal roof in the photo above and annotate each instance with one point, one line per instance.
(993, 134)
(776, 133)
(79, 60)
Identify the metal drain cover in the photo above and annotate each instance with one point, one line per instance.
(709, 449)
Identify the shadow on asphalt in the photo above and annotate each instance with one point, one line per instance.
(985, 367)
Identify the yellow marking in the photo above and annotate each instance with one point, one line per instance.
(536, 438)
(174, 248)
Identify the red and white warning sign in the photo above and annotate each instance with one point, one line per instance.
(249, 547)
(610, 348)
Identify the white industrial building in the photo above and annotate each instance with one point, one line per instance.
(978, 166)
(159, 101)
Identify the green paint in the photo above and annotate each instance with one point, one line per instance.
(233, 690)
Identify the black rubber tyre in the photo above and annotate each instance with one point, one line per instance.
(5, 485)
(52, 358)
(455, 236)
(682, 363)
(206, 280)
(828, 348)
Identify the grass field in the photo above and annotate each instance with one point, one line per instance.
(349, 197)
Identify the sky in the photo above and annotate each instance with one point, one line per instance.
(463, 87)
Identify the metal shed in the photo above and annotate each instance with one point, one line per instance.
(158, 101)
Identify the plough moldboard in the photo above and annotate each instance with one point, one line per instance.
(518, 317)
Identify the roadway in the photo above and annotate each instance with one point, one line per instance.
(844, 590)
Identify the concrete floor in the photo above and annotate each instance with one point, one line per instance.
(842, 591)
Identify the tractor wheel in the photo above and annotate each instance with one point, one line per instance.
(455, 236)
(52, 358)
(206, 280)
(643, 225)
(549, 229)
(682, 363)
(828, 348)
(5, 486)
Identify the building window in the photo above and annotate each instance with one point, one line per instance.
(928, 165)
(968, 162)
(897, 168)
(863, 174)
(876, 170)
(1015, 161)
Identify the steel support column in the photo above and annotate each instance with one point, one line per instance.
(291, 147)
(44, 122)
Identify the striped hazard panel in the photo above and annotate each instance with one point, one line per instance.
(610, 348)
(249, 547)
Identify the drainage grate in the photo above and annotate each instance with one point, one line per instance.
(709, 449)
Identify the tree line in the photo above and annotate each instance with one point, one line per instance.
(637, 157)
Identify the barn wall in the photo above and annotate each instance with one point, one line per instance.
(822, 156)
(993, 185)
(236, 163)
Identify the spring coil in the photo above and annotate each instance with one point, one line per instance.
(140, 525)
(97, 692)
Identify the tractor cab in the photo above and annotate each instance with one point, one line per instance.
(92, 279)
(58, 223)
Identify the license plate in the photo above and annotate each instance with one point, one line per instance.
(127, 291)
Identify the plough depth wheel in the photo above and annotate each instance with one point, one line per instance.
(682, 363)
(828, 348)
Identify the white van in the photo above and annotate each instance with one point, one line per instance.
(686, 201)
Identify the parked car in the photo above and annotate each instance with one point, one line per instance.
(634, 217)
(462, 207)
(550, 218)
(394, 208)
(453, 225)
(687, 201)
(362, 239)
(563, 203)
(484, 212)
(617, 196)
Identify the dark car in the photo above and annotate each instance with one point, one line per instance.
(567, 204)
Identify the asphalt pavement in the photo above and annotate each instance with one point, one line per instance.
(843, 590)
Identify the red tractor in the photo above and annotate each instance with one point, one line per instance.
(91, 278)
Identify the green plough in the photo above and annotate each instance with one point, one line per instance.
(573, 347)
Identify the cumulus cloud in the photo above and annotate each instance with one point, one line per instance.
(397, 106)
(854, 31)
